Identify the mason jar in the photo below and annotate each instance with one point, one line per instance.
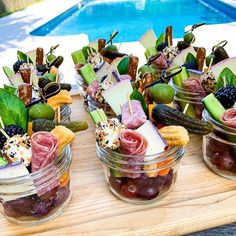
(189, 102)
(219, 148)
(82, 87)
(65, 113)
(140, 179)
(40, 196)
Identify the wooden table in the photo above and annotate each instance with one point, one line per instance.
(200, 199)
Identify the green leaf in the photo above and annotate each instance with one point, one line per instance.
(23, 57)
(13, 110)
(10, 89)
(123, 66)
(136, 95)
(160, 40)
(8, 71)
(230, 78)
(190, 57)
(85, 51)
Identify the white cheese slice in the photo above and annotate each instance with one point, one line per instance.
(155, 142)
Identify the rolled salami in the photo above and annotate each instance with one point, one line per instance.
(134, 119)
(101, 44)
(25, 93)
(44, 148)
(39, 56)
(229, 117)
(133, 66)
(132, 142)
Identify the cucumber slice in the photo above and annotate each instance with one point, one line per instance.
(8, 71)
(152, 51)
(179, 78)
(78, 57)
(213, 106)
(98, 115)
(88, 73)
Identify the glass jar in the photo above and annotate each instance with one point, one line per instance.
(140, 179)
(194, 99)
(40, 196)
(93, 105)
(219, 148)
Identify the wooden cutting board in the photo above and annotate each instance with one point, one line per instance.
(199, 200)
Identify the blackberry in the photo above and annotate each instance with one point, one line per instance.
(191, 65)
(11, 130)
(17, 65)
(119, 117)
(161, 47)
(226, 96)
(182, 45)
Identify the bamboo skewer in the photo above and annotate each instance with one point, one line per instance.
(1, 122)
(4, 133)
(130, 105)
(186, 108)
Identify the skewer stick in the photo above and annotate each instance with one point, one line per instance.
(211, 61)
(1, 122)
(130, 106)
(99, 114)
(119, 47)
(186, 108)
(4, 133)
(224, 81)
(59, 114)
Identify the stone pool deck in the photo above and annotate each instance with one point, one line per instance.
(15, 30)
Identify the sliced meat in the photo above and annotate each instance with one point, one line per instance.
(132, 143)
(93, 88)
(44, 148)
(135, 118)
(229, 117)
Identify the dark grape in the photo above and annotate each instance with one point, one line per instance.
(148, 192)
(61, 196)
(115, 183)
(169, 178)
(17, 65)
(223, 161)
(42, 208)
(161, 47)
(129, 190)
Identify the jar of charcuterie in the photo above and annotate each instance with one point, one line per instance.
(39, 196)
(140, 179)
(219, 147)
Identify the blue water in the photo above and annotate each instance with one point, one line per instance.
(133, 18)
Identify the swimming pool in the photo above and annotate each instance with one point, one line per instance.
(132, 18)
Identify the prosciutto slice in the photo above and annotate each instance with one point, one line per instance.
(136, 118)
(44, 148)
(132, 143)
(229, 117)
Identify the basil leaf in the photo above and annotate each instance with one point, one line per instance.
(136, 95)
(10, 89)
(160, 40)
(23, 57)
(190, 57)
(13, 110)
(230, 78)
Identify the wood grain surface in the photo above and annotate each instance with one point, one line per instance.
(199, 200)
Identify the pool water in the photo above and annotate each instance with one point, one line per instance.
(133, 18)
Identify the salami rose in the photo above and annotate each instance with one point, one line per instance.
(136, 118)
(161, 62)
(132, 143)
(44, 148)
(229, 117)
(194, 85)
(93, 88)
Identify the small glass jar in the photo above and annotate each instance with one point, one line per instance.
(140, 179)
(93, 105)
(194, 99)
(40, 196)
(219, 148)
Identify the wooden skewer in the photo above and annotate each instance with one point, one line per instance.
(224, 81)
(186, 108)
(4, 133)
(168, 39)
(119, 47)
(1, 122)
(98, 112)
(130, 106)
(59, 114)
(209, 67)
